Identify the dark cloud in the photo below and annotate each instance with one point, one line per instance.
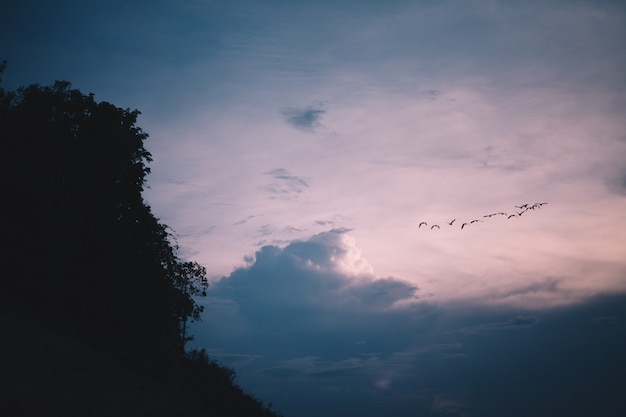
(307, 119)
(309, 327)
(518, 322)
(284, 183)
(432, 94)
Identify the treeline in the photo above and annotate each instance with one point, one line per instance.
(82, 251)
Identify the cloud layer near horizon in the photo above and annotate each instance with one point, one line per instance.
(311, 317)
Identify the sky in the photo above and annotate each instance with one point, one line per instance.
(297, 148)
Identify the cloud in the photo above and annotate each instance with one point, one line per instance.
(602, 321)
(616, 183)
(307, 119)
(432, 94)
(518, 322)
(242, 221)
(326, 270)
(311, 328)
(549, 285)
(449, 406)
(284, 183)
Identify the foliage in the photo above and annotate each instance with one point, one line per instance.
(83, 253)
(215, 383)
(82, 248)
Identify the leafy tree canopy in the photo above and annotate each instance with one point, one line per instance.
(82, 248)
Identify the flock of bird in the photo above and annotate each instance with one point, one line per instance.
(517, 213)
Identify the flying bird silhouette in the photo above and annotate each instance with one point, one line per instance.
(522, 209)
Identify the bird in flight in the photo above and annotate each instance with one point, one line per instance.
(521, 209)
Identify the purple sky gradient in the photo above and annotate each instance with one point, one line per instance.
(297, 147)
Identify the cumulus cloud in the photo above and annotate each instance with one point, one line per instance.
(327, 269)
(310, 326)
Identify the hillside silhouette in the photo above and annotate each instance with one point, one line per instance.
(94, 300)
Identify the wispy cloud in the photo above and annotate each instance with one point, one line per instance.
(515, 323)
(307, 119)
(245, 220)
(284, 183)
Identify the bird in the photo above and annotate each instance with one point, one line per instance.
(474, 221)
(512, 215)
(422, 223)
(463, 225)
(451, 221)
(522, 206)
(435, 225)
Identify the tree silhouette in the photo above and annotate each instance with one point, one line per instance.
(82, 249)
(83, 254)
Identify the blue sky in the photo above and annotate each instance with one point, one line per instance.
(298, 146)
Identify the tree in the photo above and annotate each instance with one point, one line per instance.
(83, 250)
